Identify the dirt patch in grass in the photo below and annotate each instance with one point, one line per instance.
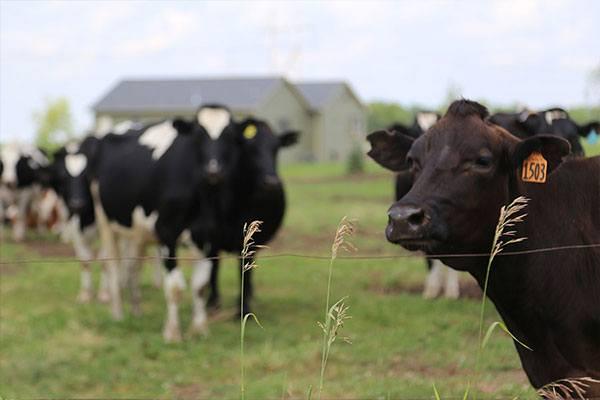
(386, 200)
(469, 289)
(10, 269)
(190, 391)
(339, 178)
(50, 249)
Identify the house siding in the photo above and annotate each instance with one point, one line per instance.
(328, 134)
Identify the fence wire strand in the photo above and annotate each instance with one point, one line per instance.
(303, 256)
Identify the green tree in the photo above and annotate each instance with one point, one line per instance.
(381, 115)
(54, 124)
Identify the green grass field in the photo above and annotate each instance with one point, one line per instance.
(51, 347)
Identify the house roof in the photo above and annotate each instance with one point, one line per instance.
(186, 94)
(318, 94)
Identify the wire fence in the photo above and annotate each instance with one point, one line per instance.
(49, 260)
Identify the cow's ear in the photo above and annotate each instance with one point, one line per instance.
(183, 126)
(60, 153)
(552, 148)
(389, 149)
(586, 130)
(45, 176)
(400, 129)
(288, 138)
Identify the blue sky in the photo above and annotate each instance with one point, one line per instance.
(536, 52)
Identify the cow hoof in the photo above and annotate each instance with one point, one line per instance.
(84, 297)
(117, 315)
(136, 311)
(171, 334)
(429, 294)
(199, 329)
(452, 294)
(103, 296)
(213, 305)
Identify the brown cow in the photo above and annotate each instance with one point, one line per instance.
(464, 170)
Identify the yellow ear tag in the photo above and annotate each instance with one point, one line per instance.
(250, 132)
(535, 168)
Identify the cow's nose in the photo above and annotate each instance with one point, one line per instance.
(213, 171)
(406, 222)
(271, 181)
(76, 205)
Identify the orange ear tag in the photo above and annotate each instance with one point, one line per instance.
(535, 168)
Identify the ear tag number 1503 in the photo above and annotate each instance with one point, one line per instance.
(535, 168)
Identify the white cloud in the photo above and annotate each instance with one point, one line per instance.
(169, 29)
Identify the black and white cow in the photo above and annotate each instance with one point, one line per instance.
(150, 185)
(553, 121)
(441, 279)
(69, 178)
(23, 173)
(253, 192)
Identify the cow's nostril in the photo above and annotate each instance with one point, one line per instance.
(417, 218)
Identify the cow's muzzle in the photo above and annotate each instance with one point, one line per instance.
(408, 226)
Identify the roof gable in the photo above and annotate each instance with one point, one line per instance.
(186, 94)
(320, 94)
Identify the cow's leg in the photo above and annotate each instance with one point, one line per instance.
(85, 291)
(214, 298)
(247, 286)
(84, 254)
(433, 283)
(133, 249)
(109, 244)
(24, 199)
(200, 278)
(158, 273)
(174, 286)
(125, 255)
(103, 288)
(451, 287)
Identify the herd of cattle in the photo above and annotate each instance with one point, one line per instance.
(192, 181)
(197, 182)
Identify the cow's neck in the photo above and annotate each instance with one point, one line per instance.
(538, 294)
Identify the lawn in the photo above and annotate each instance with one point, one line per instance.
(51, 347)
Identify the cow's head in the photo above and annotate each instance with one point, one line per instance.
(259, 148)
(215, 132)
(22, 165)
(69, 174)
(462, 170)
(554, 121)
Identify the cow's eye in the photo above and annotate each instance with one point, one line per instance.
(484, 162)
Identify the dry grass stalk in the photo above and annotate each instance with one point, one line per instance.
(335, 315)
(248, 251)
(570, 388)
(248, 245)
(338, 313)
(509, 217)
(346, 228)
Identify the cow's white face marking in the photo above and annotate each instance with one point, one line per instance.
(426, 120)
(75, 164)
(123, 127)
(10, 156)
(554, 115)
(159, 138)
(214, 120)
